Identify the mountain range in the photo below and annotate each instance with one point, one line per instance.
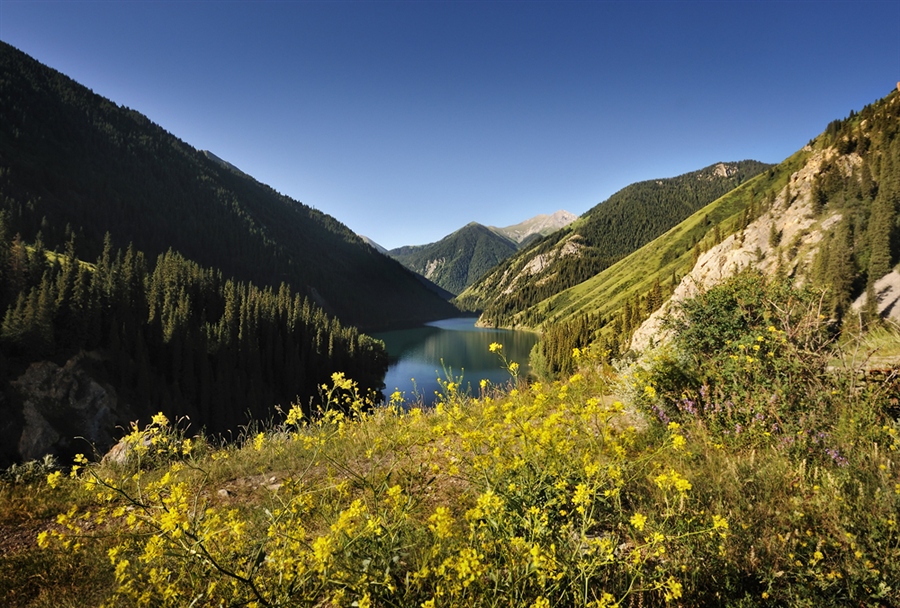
(464, 256)
(137, 272)
(606, 233)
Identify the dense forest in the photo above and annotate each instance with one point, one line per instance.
(172, 336)
(626, 221)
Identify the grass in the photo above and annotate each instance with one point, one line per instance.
(565, 494)
(877, 348)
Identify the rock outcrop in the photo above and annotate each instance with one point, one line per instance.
(790, 216)
(62, 411)
(887, 292)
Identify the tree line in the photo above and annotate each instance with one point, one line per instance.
(172, 335)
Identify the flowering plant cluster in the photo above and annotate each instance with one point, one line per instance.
(688, 479)
(541, 496)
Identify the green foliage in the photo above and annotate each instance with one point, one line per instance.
(793, 445)
(751, 369)
(176, 336)
(552, 356)
(759, 333)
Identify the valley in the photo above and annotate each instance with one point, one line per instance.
(685, 396)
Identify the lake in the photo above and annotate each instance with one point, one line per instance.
(416, 355)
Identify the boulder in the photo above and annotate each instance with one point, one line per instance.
(66, 410)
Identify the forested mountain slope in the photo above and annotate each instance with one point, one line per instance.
(139, 275)
(462, 257)
(458, 259)
(826, 217)
(71, 158)
(605, 234)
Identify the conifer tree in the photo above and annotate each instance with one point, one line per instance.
(882, 229)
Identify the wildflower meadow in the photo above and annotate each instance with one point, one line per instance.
(758, 472)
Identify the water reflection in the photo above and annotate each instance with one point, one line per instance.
(416, 356)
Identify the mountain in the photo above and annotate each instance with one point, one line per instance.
(459, 258)
(71, 158)
(537, 226)
(826, 217)
(605, 234)
(138, 275)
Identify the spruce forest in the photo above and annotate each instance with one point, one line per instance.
(219, 351)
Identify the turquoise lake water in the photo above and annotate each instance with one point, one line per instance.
(420, 355)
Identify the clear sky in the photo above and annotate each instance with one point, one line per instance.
(407, 120)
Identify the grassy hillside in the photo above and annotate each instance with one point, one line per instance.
(700, 478)
(605, 234)
(835, 184)
(670, 254)
(72, 162)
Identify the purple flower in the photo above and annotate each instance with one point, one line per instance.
(836, 457)
(660, 413)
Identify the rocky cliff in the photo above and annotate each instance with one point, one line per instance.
(784, 238)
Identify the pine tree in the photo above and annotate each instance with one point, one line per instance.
(882, 228)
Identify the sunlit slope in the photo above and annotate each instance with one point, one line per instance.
(826, 218)
(629, 219)
(672, 254)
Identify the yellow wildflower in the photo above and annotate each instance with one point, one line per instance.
(53, 478)
(159, 419)
(638, 520)
(673, 589)
(441, 523)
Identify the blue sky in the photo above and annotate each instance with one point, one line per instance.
(407, 120)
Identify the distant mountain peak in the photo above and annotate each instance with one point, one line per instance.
(541, 224)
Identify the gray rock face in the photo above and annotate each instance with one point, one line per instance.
(65, 410)
(791, 215)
